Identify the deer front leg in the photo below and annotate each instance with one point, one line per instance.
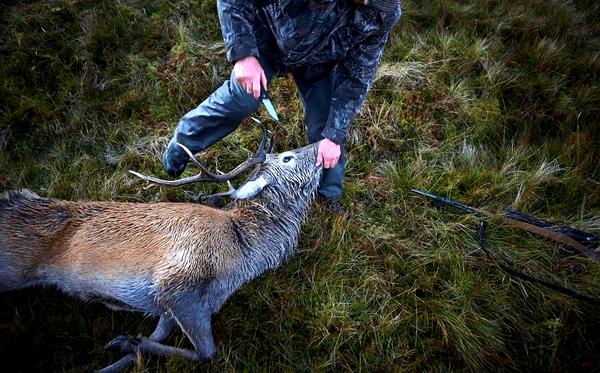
(164, 328)
(193, 317)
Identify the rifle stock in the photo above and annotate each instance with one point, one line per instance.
(567, 236)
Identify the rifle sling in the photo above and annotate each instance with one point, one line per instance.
(556, 287)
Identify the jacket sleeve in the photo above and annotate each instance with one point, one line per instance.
(354, 77)
(236, 18)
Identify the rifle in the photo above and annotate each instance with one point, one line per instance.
(574, 238)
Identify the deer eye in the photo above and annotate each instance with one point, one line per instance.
(286, 159)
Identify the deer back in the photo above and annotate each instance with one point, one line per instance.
(71, 244)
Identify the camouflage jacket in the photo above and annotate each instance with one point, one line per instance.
(311, 37)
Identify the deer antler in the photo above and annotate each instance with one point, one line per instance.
(205, 175)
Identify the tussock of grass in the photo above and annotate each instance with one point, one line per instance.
(493, 104)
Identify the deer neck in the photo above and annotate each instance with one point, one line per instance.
(269, 225)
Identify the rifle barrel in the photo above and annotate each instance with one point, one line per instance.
(449, 202)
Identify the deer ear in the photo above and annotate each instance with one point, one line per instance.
(250, 188)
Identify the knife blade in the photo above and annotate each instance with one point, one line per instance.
(267, 102)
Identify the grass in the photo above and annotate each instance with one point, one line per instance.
(490, 103)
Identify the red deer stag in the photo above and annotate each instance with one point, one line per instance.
(176, 261)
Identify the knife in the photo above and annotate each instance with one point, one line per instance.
(267, 102)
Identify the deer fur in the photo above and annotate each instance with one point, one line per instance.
(177, 261)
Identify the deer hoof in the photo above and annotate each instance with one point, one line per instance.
(123, 343)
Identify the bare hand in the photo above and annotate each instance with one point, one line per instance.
(250, 75)
(328, 154)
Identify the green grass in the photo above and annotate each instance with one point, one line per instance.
(491, 103)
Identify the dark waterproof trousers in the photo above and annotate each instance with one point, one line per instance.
(222, 112)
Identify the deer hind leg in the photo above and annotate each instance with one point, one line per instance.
(193, 317)
(166, 325)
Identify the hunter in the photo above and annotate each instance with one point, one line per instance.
(331, 48)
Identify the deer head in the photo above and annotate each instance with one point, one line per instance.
(291, 172)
